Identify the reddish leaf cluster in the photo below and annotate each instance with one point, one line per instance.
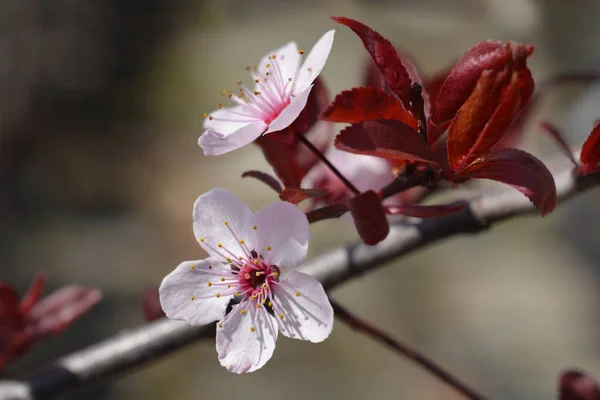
(33, 318)
(476, 103)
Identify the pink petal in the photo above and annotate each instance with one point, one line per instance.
(315, 60)
(307, 316)
(215, 143)
(283, 229)
(240, 349)
(211, 211)
(287, 60)
(227, 120)
(181, 291)
(290, 113)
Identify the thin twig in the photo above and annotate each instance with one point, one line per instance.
(381, 336)
(329, 165)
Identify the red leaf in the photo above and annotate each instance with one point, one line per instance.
(60, 309)
(9, 307)
(385, 56)
(520, 170)
(560, 141)
(463, 78)
(296, 195)
(318, 100)
(387, 139)
(590, 152)
(34, 293)
(483, 119)
(577, 385)
(281, 158)
(369, 217)
(419, 211)
(264, 178)
(151, 304)
(365, 104)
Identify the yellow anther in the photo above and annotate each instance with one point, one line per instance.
(229, 95)
(226, 223)
(280, 316)
(263, 301)
(228, 260)
(242, 241)
(252, 329)
(217, 295)
(210, 267)
(210, 118)
(257, 80)
(300, 51)
(297, 294)
(220, 325)
(241, 258)
(245, 265)
(275, 274)
(243, 312)
(258, 273)
(268, 65)
(256, 93)
(222, 279)
(236, 294)
(228, 285)
(253, 297)
(267, 74)
(223, 92)
(192, 267)
(273, 56)
(258, 305)
(270, 304)
(265, 285)
(209, 284)
(192, 297)
(247, 275)
(205, 115)
(254, 227)
(290, 79)
(220, 105)
(220, 244)
(269, 248)
(309, 69)
(255, 262)
(201, 239)
(238, 82)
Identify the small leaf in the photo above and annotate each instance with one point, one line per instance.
(386, 139)
(264, 178)
(9, 306)
(577, 385)
(60, 309)
(420, 211)
(369, 217)
(385, 56)
(520, 170)
(296, 195)
(367, 103)
(34, 293)
(560, 141)
(281, 156)
(590, 152)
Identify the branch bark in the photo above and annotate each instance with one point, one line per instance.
(146, 343)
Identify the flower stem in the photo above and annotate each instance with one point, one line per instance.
(423, 361)
(321, 157)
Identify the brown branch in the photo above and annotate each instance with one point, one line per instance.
(147, 343)
(381, 336)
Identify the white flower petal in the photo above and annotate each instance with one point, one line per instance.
(290, 113)
(287, 59)
(216, 143)
(211, 211)
(180, 293)
(282, 234)
(307, 316)
(225, 121)
(315, 62)
(240, 348)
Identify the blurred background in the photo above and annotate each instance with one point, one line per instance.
(100, 109)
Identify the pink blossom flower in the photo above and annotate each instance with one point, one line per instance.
(281, 89)
(251, 259)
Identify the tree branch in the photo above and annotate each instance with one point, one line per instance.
(149, 342)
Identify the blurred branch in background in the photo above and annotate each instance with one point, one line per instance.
(146, 343)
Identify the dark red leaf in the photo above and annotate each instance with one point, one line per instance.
(383, 138)
(520, 170)
(369, 217)
(60, 309)
(385, 56)
(34, 294)
(318, 100)
(590, 152)
(577, 385)
(419, 211)
(296, 195)
(483, 119)
(462, 79)
(281, 158)
(560, 141)
(264, 178)
(9, 306)
(365, 104)
(151, 304)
